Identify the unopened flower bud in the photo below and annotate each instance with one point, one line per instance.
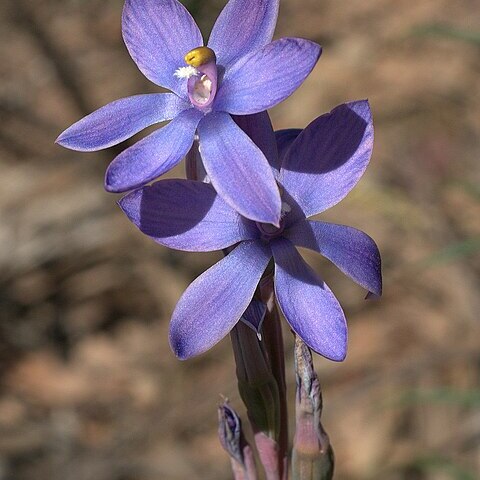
(312, 457)
(233, 441)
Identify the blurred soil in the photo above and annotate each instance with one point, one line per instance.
(88, 386)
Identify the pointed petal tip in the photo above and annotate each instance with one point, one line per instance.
(112, 185)
(129, 204)
(180, 347)
(276, 221)
(270, 212)
(374, 295)
(68, 140)
(63, 141)
(340, 357)
(176, 346)
(182, 356)
(271, 218)
(314, 46)
(361, 107)
(336, 353)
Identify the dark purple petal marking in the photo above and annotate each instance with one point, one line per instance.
(238, 169)
(186, 215)
(243, 27)
(216, 300)
(328, 158)
(284, 139)
(307, 303)
(259, 128)
(266, 77)
(120, 120)
(351, 250)
(158, 34)
(154, 155)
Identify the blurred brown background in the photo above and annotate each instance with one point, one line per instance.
(88, 386)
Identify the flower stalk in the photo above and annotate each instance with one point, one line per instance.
(312, 457)
(259, 391)
(273, 343)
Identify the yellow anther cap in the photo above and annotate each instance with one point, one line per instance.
(200, 56)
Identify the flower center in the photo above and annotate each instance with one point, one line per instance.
(201, 74)
(269, 231)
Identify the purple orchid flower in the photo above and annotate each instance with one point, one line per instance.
(319, 167)
(241, 72)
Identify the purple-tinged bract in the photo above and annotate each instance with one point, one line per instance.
(241, 72)
(320, 165)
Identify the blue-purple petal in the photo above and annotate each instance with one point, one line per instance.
(307, 303)
(243, 27)
(259, 128)
(284, 139)
(266, 77)
(186, 215)
(216, 300)
(238, 169)
(328, 158)
(351, 250)
(120, 120)
(158, 34)
(154, 155)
